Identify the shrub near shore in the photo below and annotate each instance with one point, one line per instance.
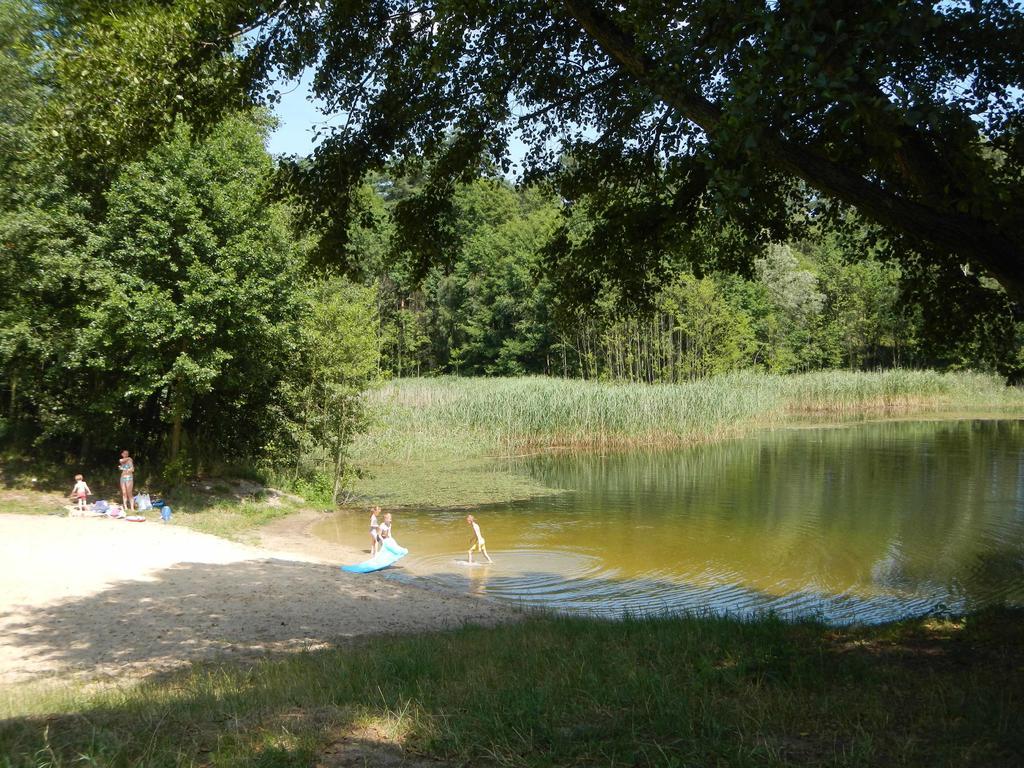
(567, 691)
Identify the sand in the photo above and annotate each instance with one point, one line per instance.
(103, 599)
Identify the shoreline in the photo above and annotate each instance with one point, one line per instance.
(94, 599)
(137, 644)
(401, 484)
(286, 561)
(293, 535)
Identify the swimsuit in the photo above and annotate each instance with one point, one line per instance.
(125, 479)
(478, 539)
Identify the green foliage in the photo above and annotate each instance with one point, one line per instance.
(150, 282)
(338, 357)
(197, 307)
(167, 321)
(829, 300)
(121, 78)
(21, 92)
(719, 337)
(795, 309)
(488, 313)
(658, 116)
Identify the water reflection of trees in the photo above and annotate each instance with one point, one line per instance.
(894, 507)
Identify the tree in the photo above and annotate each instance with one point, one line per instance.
(21, 92)
(43, 233)
(197, 310)
(907, 111)
(866, 323)
(167, 320)
(339, 357)
(718, 337)
(494, 311)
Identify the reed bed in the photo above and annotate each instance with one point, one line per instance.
(448, 417)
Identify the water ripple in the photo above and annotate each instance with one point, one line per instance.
(865, 523)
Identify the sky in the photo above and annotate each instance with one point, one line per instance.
(296, 114)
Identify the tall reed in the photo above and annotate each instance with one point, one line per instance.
(464, 417)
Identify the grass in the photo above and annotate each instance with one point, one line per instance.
(434, 440)
(226, 508)
(567, 691)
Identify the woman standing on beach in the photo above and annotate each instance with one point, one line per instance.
(127, 467)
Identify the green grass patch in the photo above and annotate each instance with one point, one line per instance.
(217, 507)
(235, 520)
(230, 506)
(567, 691)
(28, 501)
(230, 509)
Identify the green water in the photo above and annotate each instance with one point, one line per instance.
(858, 523)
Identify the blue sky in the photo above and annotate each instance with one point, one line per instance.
(296, 114)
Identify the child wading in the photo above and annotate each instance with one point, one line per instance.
(81, 491)
(477, 542)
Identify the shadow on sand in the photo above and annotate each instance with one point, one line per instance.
(194, 611)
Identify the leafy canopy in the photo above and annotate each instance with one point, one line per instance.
(909, 111)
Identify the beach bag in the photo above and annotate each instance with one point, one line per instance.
(165, 513)
(142, 502)
(101, 506)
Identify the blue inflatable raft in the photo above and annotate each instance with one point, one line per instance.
(389, 554)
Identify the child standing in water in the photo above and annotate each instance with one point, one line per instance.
(385, 526)
(374, 531)
(81, 491)
(477, 542)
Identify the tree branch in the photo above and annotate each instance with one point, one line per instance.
(960, 234)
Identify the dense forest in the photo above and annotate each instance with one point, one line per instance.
(832, 299)
(178, 299)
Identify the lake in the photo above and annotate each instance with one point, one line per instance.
(869, 522)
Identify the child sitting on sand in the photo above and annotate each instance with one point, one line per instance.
(477, 541)
(80, 492)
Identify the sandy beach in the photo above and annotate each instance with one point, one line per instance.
(98, 598)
